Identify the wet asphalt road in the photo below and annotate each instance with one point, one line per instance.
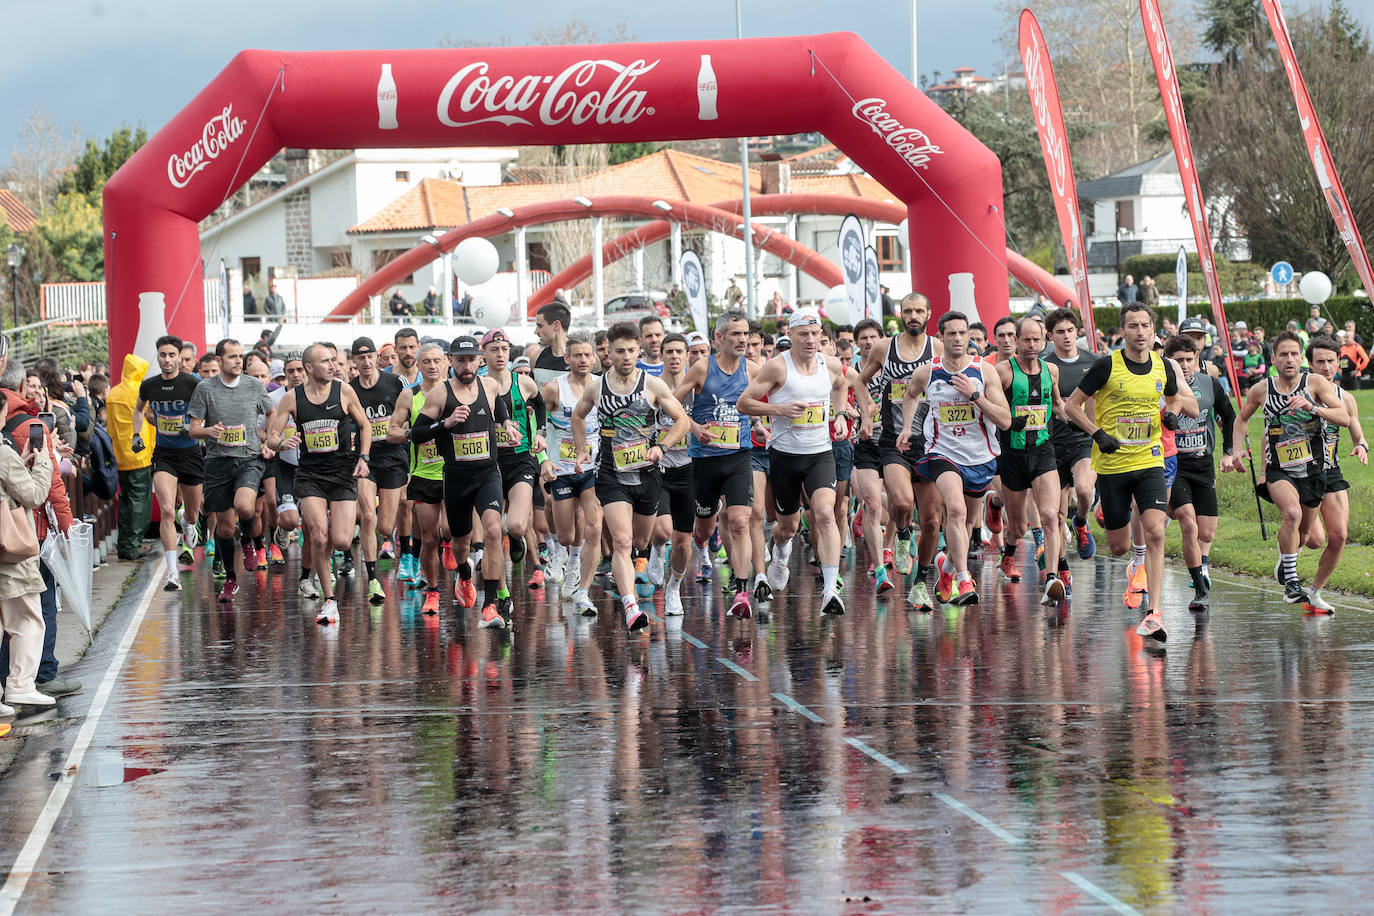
(993, 759)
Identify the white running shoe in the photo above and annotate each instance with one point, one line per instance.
(1054, 592)
(307, 588)
(831, 603)
(583, 602)
(778, 574)
(1316, 602)
(173, 583)
(656, 565)
(572, 577)
(672, 602)
(329, 612)
(553, 570)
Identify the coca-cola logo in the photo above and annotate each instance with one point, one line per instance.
(1050, 136)
(575, 96)
(219, 132)
(908, 142)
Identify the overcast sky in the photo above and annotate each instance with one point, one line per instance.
(101, 63)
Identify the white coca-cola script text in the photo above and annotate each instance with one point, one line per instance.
(219, 132)
(908, 142)
(569, 96)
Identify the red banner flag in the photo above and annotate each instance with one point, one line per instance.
(1318, 149)
(1054, 142)
(1163, 59)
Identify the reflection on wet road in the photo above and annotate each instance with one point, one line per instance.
(995, 758)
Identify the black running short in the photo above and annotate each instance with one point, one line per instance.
(643, 496)
(330, 485)
(570, 486)
(889, 455)
(1334, 480)
(1311, 489)
(795, 476)
(717, 476)
(226, 475)
(425, 490)
(1068, 454)
(1019, 468)
(388, 471)
(284, 474)
(1195, 485)
(187, 465)
(675, 497)
(1144, 487)
(468, 490)
(515, 469)
(867, 457)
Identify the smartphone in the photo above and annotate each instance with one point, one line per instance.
(37, 432)
(48, 417)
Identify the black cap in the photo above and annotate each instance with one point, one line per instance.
(464, 346)
(782, 343)
(1194, 325)
(362, 345)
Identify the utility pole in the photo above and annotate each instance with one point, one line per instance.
(750, 293)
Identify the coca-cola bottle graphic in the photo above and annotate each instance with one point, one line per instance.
(706, 91)
(152, 324)
(961, 298)
(386, 100)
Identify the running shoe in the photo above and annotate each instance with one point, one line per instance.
(703, 565)
(740, 606)
(375, 593)
(260, 554)
(1054, 592)
(387, 550)
(465, 592)
(656, 564)
(856, 524)
(190, 534)
(672, 603)
(583, 602)
(919, 597)
(572, 577)
(1137, 586)
(250, 557)
(231, 588)
(431, 605)
(188, 555)
(506, 608)
(329, 612)
(763, 592)
(887, 558)
(1317, 604)
(1152, 627)
(642, 570)
(714, 542)
(537, 579)
(1009, 568)
(1200, 601)
(210, 548)
(491, 618)
(1087, 544)
(217, 567)
(944, 584)
(1294, 593)
(901, 559)
(173, 583)
(881, 582)
(1039, 535)
(450, 561)
(975, 552)
(274, 555)
(778, 574)
(968, 594)
(994, 519)
(635, 619)
(346, 568)
(307, 588)
(554, 571)
(1207, 575)
(831, 603)
(1067, 578)
(403, 569)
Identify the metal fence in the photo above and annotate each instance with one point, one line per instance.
(68, 342)
(85, 302)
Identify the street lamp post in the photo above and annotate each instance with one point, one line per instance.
(1120, 231)
(15, 255)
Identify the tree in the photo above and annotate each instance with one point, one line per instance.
(1251, 151)
(97, 163)
(44, 151)
(1235, 28)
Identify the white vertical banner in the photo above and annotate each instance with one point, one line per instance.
(1181, 274)
(694, 285)
(852, 262)
(873, 299)
(224, 296)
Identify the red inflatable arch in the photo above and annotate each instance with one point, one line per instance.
(265, 100)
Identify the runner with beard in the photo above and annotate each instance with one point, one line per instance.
(519, 457)
(871, 520)
(800, 391)
(327, 416)
(178, 468)
(762, 515)
(379, 493)
(576, 511)
(463, 417)
(426, 488)
(676, 519)
(651, 335)
(1004, 339)
(1295, 402)
(893, 362)
(627, 401)
(1073, 448)
(1331, 530)
(960, 448)
(720, 447)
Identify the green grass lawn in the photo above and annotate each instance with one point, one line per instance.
(1239, 546)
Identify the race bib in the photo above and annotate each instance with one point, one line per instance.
(631, 454)
(502, 440)
(1133, 430)
(379, 428)
(471, 446)
(959, 413)
(289, 432)
(723, 435)
(567, 450)
(1294, 452)
(234, 435)
(1037, 416)
(898, 391)
(813, 416)
(429, 453)
(1331, 453)
(1193, 442)
(171, 426)
(322, 441)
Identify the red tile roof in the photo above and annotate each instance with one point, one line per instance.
(20, 217)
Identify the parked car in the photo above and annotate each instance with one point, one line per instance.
(634, 306)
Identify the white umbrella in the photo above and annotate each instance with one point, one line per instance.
(70, 566)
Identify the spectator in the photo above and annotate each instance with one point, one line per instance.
(188, 358)
(134, 455)
(1128, 292)
(733, 294)
(267, 339)
(1149, 293)
(386, 356)
(24, 481)
(463, 307)
(1352, 335)
(1253, 366)
(1265, 348)
(1314, 322)
(274, 306)
(398, 305)
(777, 306)
(250, 303)
(1353, 359)
(889, 306)
(434, 303)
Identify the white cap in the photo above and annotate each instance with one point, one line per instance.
(696, 337)
(1241, 324)
(803, 317)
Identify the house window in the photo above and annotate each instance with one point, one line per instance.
(341, 257)
(402, 175)
(1125, 215)
(252, 268)
(539, 258)
(889, 252)
(385, 256)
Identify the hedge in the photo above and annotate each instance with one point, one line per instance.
(1272, 314)
(1237, 278)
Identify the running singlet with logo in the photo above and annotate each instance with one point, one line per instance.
(1293, 439)
(629, 428)
(425, 460)
(169, 399)
(471, 444)
(808, 434)
(561, 450)
(955, 427)
(714, 408)
(1127, 407)
(1065, 434)
(379, 402)
(1194, 438)
(895, 376)
(326, 432)
(675, 456)
(1029, 397)
(1331, 440)
(520, 413)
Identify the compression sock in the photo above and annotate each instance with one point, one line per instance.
(829, 577)
(1289, 564)
(904, 534)
(976, 537)
(246, 530)
(371, 567)
(170, 558)
(1199, 583)
(737, 584)
(502, 591)
(490, 588)
(259, 544)
(1063, 564)
(784, 551)
(224, 550)
(465, 569)
(923, 573)
(1009, 548)
(1204, 560)
(305, 573)
(1137, 555)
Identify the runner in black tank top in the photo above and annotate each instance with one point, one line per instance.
(381, 490)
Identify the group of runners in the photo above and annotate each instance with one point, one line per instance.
(662, 453)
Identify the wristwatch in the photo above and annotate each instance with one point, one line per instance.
(367, 458)
(976, 395)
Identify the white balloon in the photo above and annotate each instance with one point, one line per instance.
(837, 306)
(1315, 287)
(904, 234)
(475, 261)
(490, 308)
